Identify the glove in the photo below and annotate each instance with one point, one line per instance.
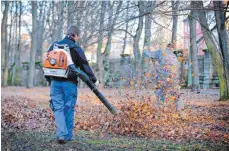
(97, 82)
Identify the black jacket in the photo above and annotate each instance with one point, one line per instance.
(78, 58)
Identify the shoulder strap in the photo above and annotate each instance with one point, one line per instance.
(61, 46)
(73, 45)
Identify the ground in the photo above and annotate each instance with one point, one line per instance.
(29, 124)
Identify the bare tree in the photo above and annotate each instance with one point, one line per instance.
(33, 49)
(100, 39)
(175, 5)
(194, 49)
(136, 49)
(222, 34)
(125, 37)
(148, 23)
(4, 35)
(70, 5)
(111, 24)
(216, 55)
(17, 61)
(41, 16)
(16, 53)
(7, 52)
(148, 5)
(60, 22)
(53, 26)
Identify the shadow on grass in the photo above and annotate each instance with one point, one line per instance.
(87, 141)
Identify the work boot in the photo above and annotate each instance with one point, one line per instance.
(61, 141)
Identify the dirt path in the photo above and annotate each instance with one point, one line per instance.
(40, 95)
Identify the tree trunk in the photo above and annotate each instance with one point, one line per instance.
(4, 35)
(194, 51)
(80, 14)
(148, 23)
(18, 60)
(39, 33)
(125, 37)
(60, 20)
(33, 50)
(223, 38)
(106, 54)
(11, 45)
(147, 42)
(215, 53)
(7, 53)
(15, 46)
(136, 49)
(18, 47)
(70, 13)
(175, 5)
(42, 31)
(53, 24)
(100, 41)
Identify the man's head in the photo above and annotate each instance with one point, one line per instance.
(74, 32)
(170, 46)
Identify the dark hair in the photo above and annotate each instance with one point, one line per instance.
(73, 30)
(169, 45)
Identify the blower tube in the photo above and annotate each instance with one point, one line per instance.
(83, 76)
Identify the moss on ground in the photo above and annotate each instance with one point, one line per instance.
(87, 141)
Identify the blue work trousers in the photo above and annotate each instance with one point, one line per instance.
(63, 100)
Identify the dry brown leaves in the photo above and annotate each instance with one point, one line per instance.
(18, 113)
(141, 118)
(203, 121)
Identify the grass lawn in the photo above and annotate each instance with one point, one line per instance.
(87, 141)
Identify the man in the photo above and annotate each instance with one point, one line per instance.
(167, 87)
(63, 91)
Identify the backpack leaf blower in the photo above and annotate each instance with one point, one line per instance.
(58, 62)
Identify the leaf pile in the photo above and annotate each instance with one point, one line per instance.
(143, 119)
(18, 113)
(202, 121)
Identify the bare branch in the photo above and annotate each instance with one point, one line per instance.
(27, 27)
(124, 31)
